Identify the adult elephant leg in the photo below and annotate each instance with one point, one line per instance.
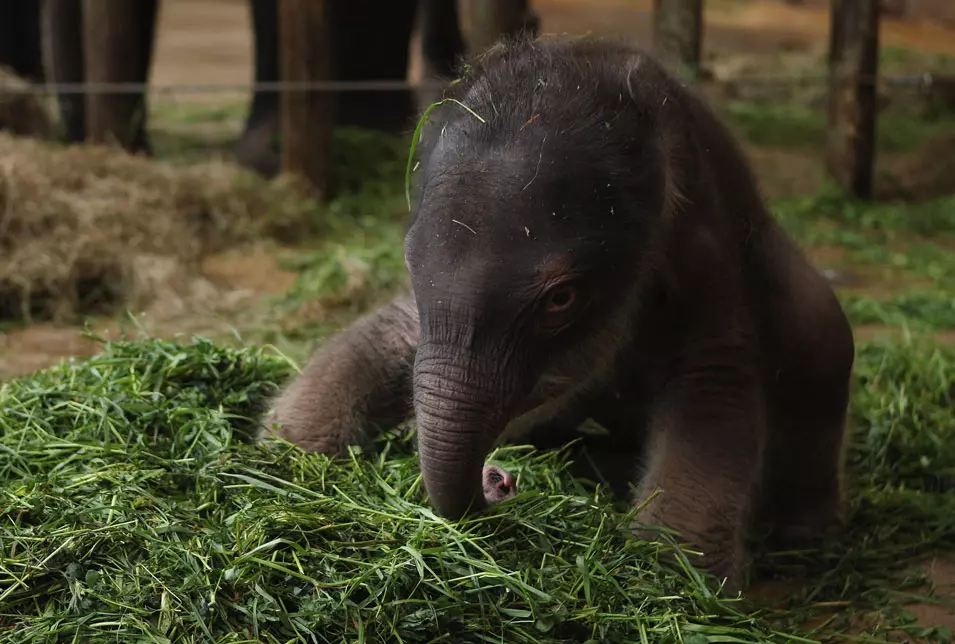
(64, 60)
(24, 114)
(442, 43)
(488, 20)
(20, 38)
(441, 31)
(442, 47)
(123, 34)
(257, 147)
(370, 41)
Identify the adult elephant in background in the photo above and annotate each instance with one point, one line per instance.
(20, 39)
(21, 65)
(369, 41)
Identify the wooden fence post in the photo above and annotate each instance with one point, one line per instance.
(118, 37)
(678, 34)
(306, 115)
(853, 70)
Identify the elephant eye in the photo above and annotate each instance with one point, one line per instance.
(560, 307)
(560, 299)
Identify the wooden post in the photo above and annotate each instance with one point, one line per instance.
(306, 115)
(118, 39)
(487, 20)
(853, 68)
(678, 34)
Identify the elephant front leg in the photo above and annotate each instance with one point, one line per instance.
(704, 460)
(358, 383)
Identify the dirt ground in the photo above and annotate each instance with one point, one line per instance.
(209, 42)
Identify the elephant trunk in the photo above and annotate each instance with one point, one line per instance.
(458, 408)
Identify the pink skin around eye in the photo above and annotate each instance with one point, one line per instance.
(499, 485)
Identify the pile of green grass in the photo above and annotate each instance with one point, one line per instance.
(134, 509)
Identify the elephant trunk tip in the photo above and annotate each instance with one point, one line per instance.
(454, 488)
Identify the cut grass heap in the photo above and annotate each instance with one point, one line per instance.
(133, 514)
(133, 511)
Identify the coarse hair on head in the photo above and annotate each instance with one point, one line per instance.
(600, 101)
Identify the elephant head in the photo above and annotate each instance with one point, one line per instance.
(523, 277)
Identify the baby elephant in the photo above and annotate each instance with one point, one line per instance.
(588, 242)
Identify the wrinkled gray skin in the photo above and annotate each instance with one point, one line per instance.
(597, 248)
(361, 381)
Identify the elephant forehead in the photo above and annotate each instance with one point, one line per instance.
(470, 276)
(480, 263)
(489, 224)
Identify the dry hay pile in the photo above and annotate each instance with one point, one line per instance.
(22, 112)
(92, 230)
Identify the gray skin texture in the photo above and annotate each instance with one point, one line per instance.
(358, 382)
(595, 247)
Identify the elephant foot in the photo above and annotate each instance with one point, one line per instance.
(256, 149)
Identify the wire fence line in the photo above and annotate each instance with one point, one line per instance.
(921, 80)
(204, 88)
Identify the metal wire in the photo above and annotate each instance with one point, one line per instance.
(925, 79)
(268, 87)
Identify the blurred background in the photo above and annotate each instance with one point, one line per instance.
(200, 231)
